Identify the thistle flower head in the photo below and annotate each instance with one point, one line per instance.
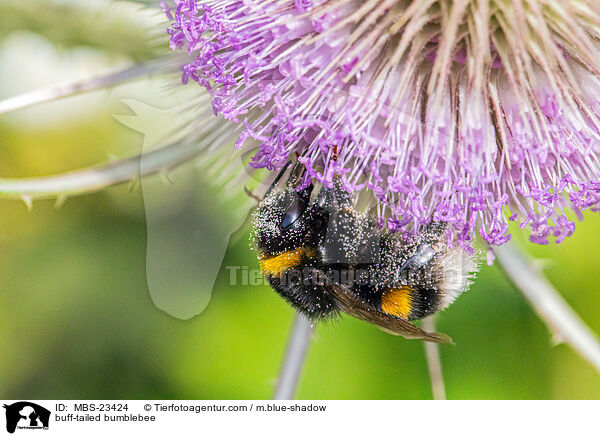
(474, 112)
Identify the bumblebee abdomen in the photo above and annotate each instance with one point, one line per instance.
(411, 303)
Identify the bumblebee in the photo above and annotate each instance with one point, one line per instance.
(324, 257)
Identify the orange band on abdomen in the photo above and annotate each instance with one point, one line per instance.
(398, 302)
(277, 265)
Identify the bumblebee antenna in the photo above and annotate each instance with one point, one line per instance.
(278, 177)
(297, 172)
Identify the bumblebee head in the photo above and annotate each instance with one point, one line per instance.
(287, 219)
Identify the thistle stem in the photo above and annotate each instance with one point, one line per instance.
(295, 356)
(434, 364)
(58, 92)
(96, 178)
(562, 320)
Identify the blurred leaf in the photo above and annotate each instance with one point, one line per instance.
(75, 25)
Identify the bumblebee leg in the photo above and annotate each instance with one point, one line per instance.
(251, 194)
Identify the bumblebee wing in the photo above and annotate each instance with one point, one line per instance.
(354, 306)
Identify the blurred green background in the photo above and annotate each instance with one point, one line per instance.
(76, 318)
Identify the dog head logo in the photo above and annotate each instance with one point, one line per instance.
(26, 415)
